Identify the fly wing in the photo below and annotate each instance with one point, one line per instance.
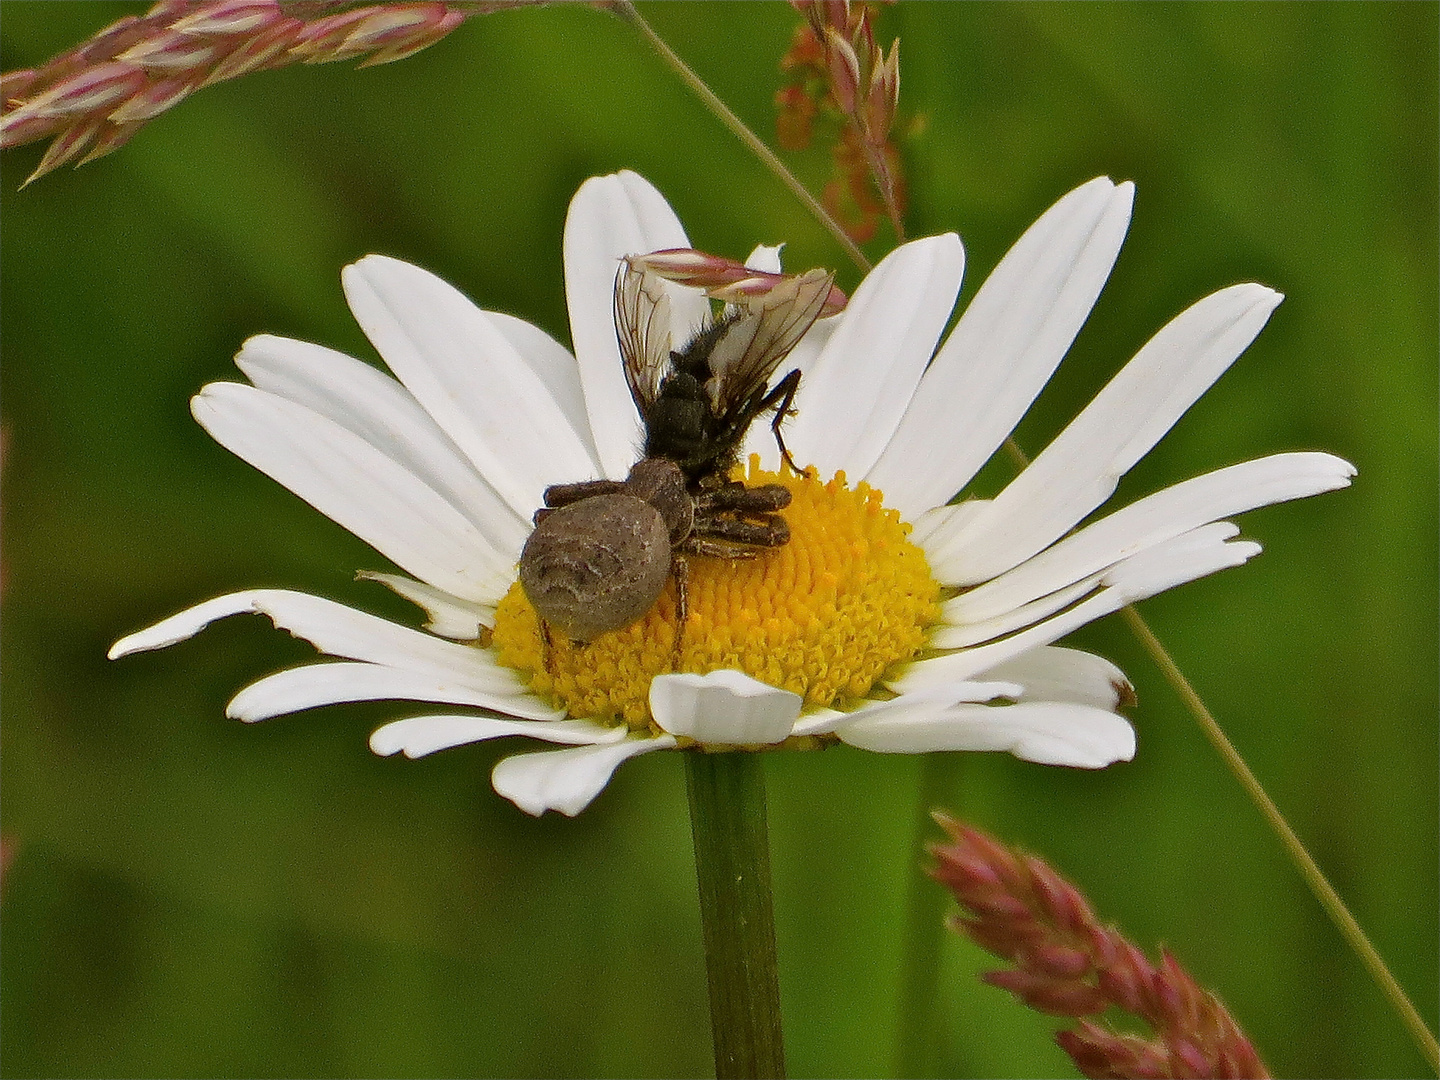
(642, 325)
(763, 334)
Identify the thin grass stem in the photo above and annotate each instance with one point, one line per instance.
(920, 1025)
(1329, 899)
(1315, 877)
(1309, 869)
(626, 10)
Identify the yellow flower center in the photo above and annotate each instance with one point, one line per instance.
(824, 616)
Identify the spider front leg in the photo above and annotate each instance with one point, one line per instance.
(718, 549)
(736, 498)
(558, 495)
(768, 530)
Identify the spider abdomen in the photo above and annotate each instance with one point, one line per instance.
(596, 565)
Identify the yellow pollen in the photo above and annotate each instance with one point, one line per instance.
(825, 615)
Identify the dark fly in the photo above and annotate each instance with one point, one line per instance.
(697, 402)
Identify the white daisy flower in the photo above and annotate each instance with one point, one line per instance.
(891, 621)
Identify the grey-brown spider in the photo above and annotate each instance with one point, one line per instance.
(602, 550)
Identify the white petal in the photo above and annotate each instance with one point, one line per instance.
(909, 707)
(957, 633)
(853, 394)
(357, 486)
(469, 377)
(933, 529)
(557, 369)
(421, 735)
(723, 707)
(335, 629)
(766, 258)
(1048, 733)
(1079, 470)
(609, 217)
(1193, 555)
(1004, 348)
(566, 780)
(1051, 673)
(383, 413)
(331, 683)
(1153, 520)
(450, 617)
(819, 722)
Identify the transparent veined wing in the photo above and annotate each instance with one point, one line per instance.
(642, 325)
(766, 328)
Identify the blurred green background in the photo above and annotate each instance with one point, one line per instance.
(195, 897)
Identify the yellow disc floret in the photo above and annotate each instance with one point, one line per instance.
(824, 615)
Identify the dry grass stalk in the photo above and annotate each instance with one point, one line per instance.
(1068, 964)
(93, 98)
(844, 74)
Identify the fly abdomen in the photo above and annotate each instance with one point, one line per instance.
(676, 430)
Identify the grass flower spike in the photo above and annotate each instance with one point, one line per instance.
(1069, 964)
(90, 100)
(891, 620)
(841, 72)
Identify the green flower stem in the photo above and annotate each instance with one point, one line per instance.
(732, 867)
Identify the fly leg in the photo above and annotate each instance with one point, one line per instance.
(781, 398)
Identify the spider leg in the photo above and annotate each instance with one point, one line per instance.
(681, 569)
(770, 530)
(557, 495)
(737, 498)
(717, 549)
